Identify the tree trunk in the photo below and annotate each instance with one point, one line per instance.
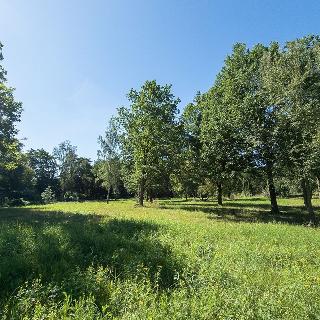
(108, 195)
(150, 196)
(219, 187)
(250, 187)
(307, 199)
(243, 186)
(272, 191)
(318, 183)
(141, 192)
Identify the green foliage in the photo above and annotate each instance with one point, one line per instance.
(18, 182)
(262, 114)
(48, 195)
(71, 196)
(187, 175)
(74, 261)
(10, 113)
(149, 137)
(66, 156)
(107, 173)
(257, 128)
(206, 188)
(10, 147)
(301, 101)
(223, 145)
(45, 168)
(15, 202)
(75, 173)
(108, 168)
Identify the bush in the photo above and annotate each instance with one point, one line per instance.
(15, 202)
(71, 196)
(48, 196)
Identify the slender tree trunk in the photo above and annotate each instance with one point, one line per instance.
(243, 186)
(186, 197)
(108, 195)
(219, 187)
(318, 183)
(272, 191)
(307, 199)
(150, 196)
(141, 191)
(250, 187)
(304, 193)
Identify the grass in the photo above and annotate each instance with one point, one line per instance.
(169, 260)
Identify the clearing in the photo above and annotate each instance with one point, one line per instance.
(169, 260)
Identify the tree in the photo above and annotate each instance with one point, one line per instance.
(66, 157)
(11, 159)
(149, 135)
(316, 157)
(75, 173)
(10, 114)
(262, 118)
(45, 167)
(244, 89)
(108, 168)
(107, 173)
(221, 136)
(48, 195)
(187, 176)
(295, 81)
(84, 179)
(18, 181)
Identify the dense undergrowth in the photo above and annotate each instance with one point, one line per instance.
(171, 260)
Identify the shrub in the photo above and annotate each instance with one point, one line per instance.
(71, 196)
(48, 195)
(14, 202)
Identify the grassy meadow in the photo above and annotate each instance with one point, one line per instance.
(172, 259)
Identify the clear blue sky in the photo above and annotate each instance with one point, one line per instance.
(73, 61)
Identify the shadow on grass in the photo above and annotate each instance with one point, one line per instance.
(53, 245)
(242, 211)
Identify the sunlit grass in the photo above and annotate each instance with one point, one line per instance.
(169, 260)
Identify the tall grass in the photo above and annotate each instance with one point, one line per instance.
(171, 260)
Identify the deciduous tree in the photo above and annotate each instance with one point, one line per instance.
(149, 136)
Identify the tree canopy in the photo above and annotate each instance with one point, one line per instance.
(254, 131)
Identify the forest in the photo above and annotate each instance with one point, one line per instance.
(254, 132)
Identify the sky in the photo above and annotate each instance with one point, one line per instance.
(72, 62)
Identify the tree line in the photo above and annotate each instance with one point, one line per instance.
(255, 131)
